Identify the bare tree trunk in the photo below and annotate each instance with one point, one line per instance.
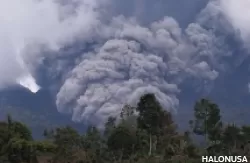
(150, 145)
(120, 159)
(155, 144)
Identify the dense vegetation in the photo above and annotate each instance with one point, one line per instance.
(142, 134)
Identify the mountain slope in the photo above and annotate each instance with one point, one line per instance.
(37, 110)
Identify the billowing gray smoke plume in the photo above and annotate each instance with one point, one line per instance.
(119, 56)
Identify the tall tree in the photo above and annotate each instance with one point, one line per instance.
(67, 141)
(128, 117)
(94, 145)
(109, 126)
(127, 111)
(149, 118)
(16, 142)
(231, 138)
(122, 142)
(207, 122)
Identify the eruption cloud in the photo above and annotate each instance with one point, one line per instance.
(114, 58)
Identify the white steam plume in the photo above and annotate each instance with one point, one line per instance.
(37, 22)
(238, 13)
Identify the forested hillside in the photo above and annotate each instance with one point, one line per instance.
(142, 134)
